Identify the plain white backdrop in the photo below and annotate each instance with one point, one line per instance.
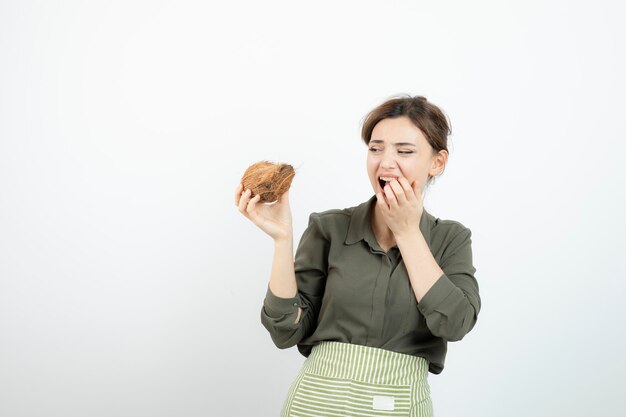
(130, 285)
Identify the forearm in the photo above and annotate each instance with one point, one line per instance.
(294, 294)
(420, 264)
(449, 301)
(283, 278)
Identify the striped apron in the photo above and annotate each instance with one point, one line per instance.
(347, 380)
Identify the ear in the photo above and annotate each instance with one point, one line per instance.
(438, 163)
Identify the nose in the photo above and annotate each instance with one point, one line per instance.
(388, 160)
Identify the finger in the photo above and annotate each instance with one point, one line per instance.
(417, 189)
(243, 201)
(252, 203)
(238, 190)
(391, 198)
(408, 190)
(250, 209)
(398, 191)
(380, 200)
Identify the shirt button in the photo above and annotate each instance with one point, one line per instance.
(295, 304)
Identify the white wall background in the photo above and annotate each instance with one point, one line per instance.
(130, 285)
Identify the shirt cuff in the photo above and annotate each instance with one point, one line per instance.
(278, 306)
(436, 295)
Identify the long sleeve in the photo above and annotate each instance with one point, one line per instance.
(452, 304)
(278, 315)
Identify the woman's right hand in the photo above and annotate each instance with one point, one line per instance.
(274, 219)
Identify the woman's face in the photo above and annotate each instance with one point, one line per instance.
(397, 147)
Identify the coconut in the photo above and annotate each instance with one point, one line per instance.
(268, 179)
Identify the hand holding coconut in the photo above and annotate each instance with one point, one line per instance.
(267, 182)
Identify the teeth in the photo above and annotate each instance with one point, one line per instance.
(386, 178)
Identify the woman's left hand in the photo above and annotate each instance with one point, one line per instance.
(402, 206)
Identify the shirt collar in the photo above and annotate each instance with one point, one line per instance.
(360, 227)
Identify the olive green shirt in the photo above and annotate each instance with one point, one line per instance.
(350, 290)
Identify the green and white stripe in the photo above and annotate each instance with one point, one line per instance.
(343, 379)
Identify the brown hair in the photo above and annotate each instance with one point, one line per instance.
(427, 117)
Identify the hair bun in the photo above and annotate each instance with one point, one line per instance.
(268, 179)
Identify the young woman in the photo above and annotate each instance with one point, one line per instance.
(376, 290)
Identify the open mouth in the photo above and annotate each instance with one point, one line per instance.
(382, 182)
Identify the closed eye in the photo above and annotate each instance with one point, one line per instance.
(403, 152)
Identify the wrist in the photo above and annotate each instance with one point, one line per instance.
(407, 236)
(283, 240)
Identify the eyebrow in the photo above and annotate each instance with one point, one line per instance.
(397, 143)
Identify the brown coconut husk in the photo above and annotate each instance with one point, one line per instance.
(268, 179)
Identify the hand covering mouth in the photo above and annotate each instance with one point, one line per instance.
(382, 182)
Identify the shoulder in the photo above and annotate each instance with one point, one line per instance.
(333, 221)
(448, 225)
(334, 215)
(446, 231)
(332, 218)
(451, 242)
